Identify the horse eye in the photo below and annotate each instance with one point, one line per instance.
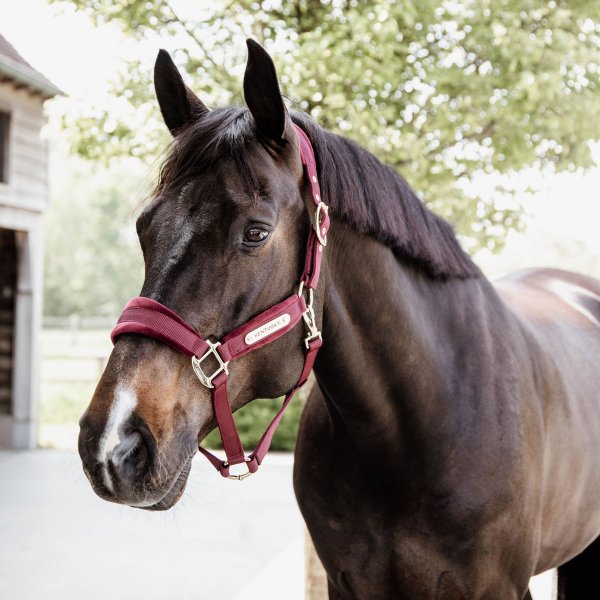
(255, 235)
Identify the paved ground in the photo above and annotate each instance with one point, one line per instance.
(226, 540)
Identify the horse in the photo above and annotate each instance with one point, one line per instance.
(448, 448)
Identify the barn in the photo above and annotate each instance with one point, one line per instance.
(23, 198)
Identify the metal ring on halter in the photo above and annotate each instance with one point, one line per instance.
(243, 475)
(321, 236)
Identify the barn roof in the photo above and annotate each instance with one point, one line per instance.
(14, 68)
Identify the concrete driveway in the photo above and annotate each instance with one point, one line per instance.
(225, 540)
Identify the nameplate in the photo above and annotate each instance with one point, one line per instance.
(267, 329)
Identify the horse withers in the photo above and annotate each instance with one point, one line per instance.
(449, 448)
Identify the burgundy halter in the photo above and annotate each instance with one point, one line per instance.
(148, 317)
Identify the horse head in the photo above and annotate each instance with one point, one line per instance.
(223, 239)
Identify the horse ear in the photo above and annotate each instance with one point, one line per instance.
(178, 104)
(261, 92)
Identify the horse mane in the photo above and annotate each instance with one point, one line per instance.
(375, 200)
(368, 196)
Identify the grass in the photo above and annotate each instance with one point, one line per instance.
(72, 362)
(63, 403)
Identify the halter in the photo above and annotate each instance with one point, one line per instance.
(148, 317)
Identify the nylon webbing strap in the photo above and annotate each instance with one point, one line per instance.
(151, 318)
(317, 237)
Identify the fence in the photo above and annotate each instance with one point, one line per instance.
(74, 354)
(77, 322)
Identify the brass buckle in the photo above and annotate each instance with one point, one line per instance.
(242, 476)
(197, 365)
(321, 236)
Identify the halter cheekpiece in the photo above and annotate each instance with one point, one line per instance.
(148, 317)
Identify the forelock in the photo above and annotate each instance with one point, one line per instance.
(221, 134)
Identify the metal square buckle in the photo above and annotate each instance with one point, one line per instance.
(197, 364)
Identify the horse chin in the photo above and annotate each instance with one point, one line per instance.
(176, 490)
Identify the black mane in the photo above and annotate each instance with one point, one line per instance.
(368, 196)
(375, 200)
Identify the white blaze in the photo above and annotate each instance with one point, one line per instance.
(123, 405)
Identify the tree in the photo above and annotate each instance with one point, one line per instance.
(93, 263)
(443, 91)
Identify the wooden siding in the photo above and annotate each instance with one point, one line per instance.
(8, 284)
(26, 184)
(4, 124)
(23, 197)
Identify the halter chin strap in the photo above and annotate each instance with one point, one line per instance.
(148, 317)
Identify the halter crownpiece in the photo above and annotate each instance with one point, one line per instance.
(148, 317)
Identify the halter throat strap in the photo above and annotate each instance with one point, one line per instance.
(151, 318)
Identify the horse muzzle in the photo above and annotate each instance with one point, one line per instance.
(122, 462)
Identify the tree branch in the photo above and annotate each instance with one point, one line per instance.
(191, 32)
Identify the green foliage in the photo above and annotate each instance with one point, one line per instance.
(93, 263)
(64, 402)
(443, 91)
(253, 419)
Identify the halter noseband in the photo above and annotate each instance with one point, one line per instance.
(148, 317)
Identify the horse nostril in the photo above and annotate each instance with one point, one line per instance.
(130, 457)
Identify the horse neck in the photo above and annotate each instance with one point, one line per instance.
(389, 337)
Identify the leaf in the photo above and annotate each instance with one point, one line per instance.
(418, 83)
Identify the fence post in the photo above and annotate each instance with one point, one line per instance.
(73, 328)
(316, 578)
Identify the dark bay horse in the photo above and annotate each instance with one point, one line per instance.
(450, 449)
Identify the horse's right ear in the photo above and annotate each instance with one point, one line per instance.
(178, 104)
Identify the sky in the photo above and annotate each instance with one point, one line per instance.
(62, 44)
(563, 217)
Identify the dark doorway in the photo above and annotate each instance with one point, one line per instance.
(8, 286)
(4, 124)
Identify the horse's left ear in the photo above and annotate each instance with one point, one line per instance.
(261, 92)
